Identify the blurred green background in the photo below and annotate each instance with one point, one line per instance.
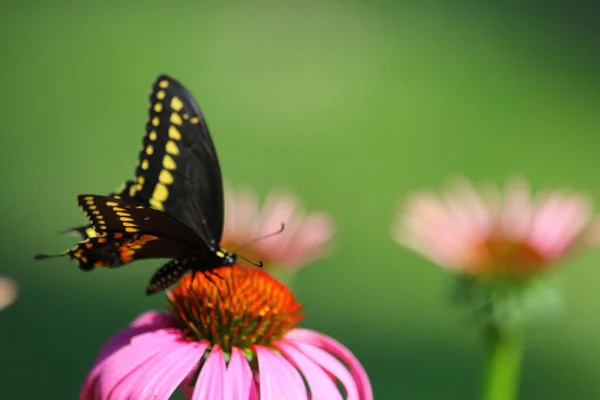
(351, 104)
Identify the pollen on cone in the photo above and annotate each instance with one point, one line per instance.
(234, 307)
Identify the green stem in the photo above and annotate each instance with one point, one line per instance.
(503, 364)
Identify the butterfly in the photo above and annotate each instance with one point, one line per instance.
(174, 207)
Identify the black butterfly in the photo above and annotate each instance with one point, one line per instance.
(173, 209)
(177, 154)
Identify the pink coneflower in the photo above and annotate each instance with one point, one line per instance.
(8, 292)
(482, 232)
(304, 239)
(233, 339)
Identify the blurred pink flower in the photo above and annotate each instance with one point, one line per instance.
(304, 239)
(481, 231)
(233, 339)
(8, 292)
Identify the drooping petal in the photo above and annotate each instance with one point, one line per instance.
(121, 363)
(319, 347)
(211, 381)
(147, 322)
(320, 384)
(131, 383)
(161, 380)
(276, 378)
(238, 379)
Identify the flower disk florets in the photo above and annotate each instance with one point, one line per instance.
(234, 307)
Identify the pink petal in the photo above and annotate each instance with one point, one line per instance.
(161, 381)
(175, 377)
(121, 363)
(278, 378)
(320, 384)
(320, 341)
(132, 382)
(211, 382)
(238, 380)
(153, 318)
(147, 322)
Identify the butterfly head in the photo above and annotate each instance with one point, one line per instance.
(225, 257)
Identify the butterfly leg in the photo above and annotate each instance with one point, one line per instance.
(211, 273)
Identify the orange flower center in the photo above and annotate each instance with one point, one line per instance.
(234, 307)
(499, 254)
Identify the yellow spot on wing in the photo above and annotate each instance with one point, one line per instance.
(132, 191)
(145, 164)
(91, 232)
(131, 230)
(165, 177)
(176, 104)
(160, 192)
(128, 224)
(152, 135)
(172, 148)
(156, 204)
(123, 214)
(118, 209)
(176, 119)
(88, 198)
(149, 149)
(169, 163)
(155, 121)
(160, 94)
(174, 133)
(194, 120)
(111, 204)
(158, 107)
(126, 219)
(163, 84)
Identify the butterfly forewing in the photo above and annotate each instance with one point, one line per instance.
(178, 170)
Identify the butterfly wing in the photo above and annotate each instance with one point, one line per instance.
(129, 231)
(178, 169)
(116, 249)
(113, 215)
(88, 231)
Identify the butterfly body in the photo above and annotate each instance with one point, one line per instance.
(173, 208)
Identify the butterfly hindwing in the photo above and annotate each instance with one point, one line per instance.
(116, 249)
(110, 214)
(88, 231)
(178, 170)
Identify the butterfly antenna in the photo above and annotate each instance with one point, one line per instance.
(45, 256)
(259, 264)
(268, 235)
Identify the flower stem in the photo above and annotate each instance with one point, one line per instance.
(505, 349)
